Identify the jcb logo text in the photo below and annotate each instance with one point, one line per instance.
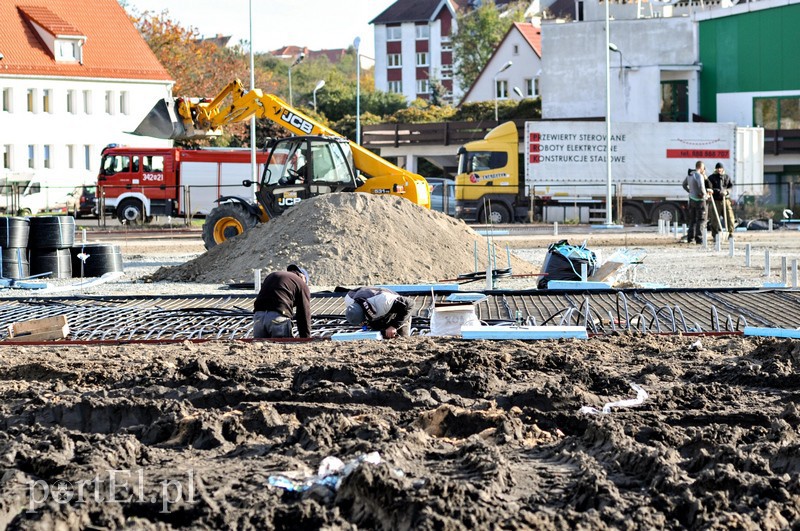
(294, 120)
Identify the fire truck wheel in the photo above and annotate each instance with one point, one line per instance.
(226, 221)
(130, 211)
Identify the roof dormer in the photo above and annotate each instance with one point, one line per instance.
(64, 40)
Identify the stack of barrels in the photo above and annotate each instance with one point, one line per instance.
(49, 242)
(45, 246)
(14, 246)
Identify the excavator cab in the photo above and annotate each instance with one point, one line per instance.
(302, 167)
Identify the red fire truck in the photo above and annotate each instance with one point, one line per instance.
(136, 184)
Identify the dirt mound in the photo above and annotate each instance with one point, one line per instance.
(348, 239)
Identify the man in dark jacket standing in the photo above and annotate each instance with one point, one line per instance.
(380, 309)
(721, 186)
(280, 293)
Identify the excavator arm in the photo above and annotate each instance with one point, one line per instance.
(192, 118)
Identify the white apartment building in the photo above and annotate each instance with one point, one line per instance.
(413, 49)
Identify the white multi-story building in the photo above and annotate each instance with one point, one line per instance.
(74, 77)
(413, 49)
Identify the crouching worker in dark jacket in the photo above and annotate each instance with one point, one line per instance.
(280, 293)
(381, 310)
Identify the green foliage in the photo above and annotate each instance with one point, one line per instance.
(527, 109)
(479, 33)
(420, 111)
(346, 125)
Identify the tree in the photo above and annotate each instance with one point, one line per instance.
(199, 68)
(479, 33)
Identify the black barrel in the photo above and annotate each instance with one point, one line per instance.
(14, 232)
(56, 261)
(103, 258)
(51, 232)
(14, 263)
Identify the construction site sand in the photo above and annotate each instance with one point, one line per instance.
(346, 239)
(472, 435)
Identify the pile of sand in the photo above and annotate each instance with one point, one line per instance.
(348, 239)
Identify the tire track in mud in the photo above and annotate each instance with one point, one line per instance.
(471, 434)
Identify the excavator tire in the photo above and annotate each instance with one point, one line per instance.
(226, 221)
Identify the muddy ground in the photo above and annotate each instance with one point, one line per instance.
(471, 435)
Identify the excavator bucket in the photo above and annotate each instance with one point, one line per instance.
(162, 122)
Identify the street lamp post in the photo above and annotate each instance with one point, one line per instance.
(608, 116)
(295, 63)
(319, 86)
(253, 160)
(494, 83)
(356, 44)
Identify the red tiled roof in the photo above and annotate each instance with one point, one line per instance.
(113, 47)
(48, 20)
(532, 34)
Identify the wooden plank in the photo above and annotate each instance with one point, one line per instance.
(39, 329)
(53, 333)
(605, 271)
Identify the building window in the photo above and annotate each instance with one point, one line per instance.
(536, 86)
(123, 102)
(67, 51)
(501, 89)
(87, 102)
(447, 47)
(109, 102)
(393, 33)
(531, 88)
(777, 113)
(46, 156)
(7, 99)
(47, 95)
(31, 96)
(422, 32)
(394, 60)
(516, 49)
(71, 102)
(674, 101)
(396, 87)
(422, 58)
(31, 155)
(423, 87)
(87, 156)
(71, 156)
(7, 157)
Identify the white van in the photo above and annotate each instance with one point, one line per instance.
(26, 195)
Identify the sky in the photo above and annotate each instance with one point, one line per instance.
(317, 24)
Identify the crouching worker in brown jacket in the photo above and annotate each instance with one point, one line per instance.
(280, 293)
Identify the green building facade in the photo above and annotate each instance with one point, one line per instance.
(751, 71)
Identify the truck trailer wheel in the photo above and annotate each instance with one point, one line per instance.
(226, 221)
(130, 211)
(632, 215)
(667, 212)
(496, 213)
